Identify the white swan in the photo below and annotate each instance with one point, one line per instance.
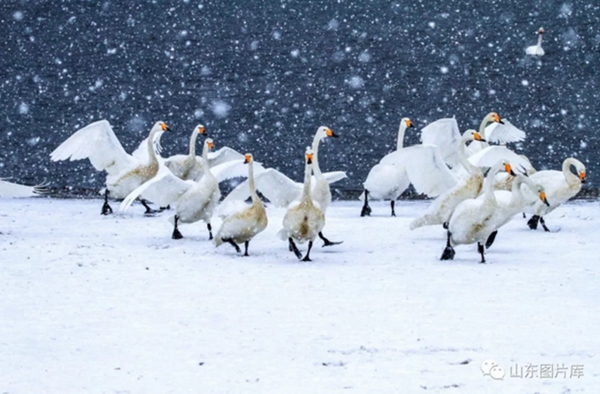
(536, 50)
(386, 181)
(14, 190)
(98, 143)
(282, 191)
(242, 226)
(475, 220)
(193, 201)
(303, 220)
(560, 186)
(190, 166)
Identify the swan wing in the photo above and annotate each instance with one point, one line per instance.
(163, 189)
(272, 184)
(98, 143)
(13, 190)
(334, 176)
(234, 169)
(141, 152)
(490, 155)
(498, 133)
(444, 134)
(223, 155)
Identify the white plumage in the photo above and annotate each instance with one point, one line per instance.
(14, 190)
(536, 50)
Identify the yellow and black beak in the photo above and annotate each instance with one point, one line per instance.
(164, 127)
(210, 145)
(582, 176)
(247, 159)
(330, 133)
(201, 130)
(541, 30)
(477, 137)
(508, 168)
(409, 123)
(309, 158)
(497, 119)
(543, 198)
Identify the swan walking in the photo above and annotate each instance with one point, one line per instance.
(240, 227)
(387, 181)
(536, 50)
(98, 143)
(560, 187)
(304, 220)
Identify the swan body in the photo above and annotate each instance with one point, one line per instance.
(240, 227)
(560, 187)
(536, 50)
(304, 220)
(14, 190)
(387, 181)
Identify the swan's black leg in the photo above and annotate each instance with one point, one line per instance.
(246, 248)
(524, 216)
(294, 248)
(533, 222)
(209, 227)
(449, 252)
(165, 208)
(481, 250)
(176, 233)
(544, 224)
(149, 211)
(491, 239)
(326, 241)
(230, 241)
(366, 209)
(392, 203)
(307, 258)
(106, 209)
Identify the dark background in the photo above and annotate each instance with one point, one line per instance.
(263, 75)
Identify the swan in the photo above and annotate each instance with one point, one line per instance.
(190, 166)
(242, 226)
(386, 181)
(560, 186)
(14, 190)
(304, 220)
(536, 50)
(98, 143)
(475, 220)
(193, 200)
(282, 191)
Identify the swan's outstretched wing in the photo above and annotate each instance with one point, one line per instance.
(234, 169)
(444, 134)
(98, 143)
(425, 167)
(498, 133)
(489, 156)
(163, 189)
(223, 155)
(141, 152)
(272, 184)
(13, 190)
(334, 176)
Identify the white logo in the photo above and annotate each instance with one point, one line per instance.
(492, 369)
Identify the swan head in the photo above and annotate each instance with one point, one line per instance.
(508, 168)
(325, 131)
(406, 122)
(582, 176)
(309, 156)
(542, 194)
(209, 143)
(541, 30)
(247, 158)
(494, 117)
(200, 129)
(161, 126)
(472, 135)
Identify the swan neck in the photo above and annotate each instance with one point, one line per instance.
(566, 169)
(307, 179)
(205, 164)
(193, 140)
(315, 161)
(251, 184)
(151, 151)
(462, 158)
(539, 44)
(401, 132)
(489, 181)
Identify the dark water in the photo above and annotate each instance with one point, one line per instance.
(263, 75)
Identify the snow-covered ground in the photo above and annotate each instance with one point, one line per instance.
(114, 305)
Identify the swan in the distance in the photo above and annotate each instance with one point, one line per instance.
(241, 226)
(560, 187)
(304, 220)
(14, 190)
(536, 50)
(282, 191)
(386, 181)
(193, 200)
(475, 220)
(98, 143)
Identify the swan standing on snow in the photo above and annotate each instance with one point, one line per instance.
(303, 220)
(14, 190)
(536, 50)
(98, 143)
(242, 226)
(387, 181)
(560, 186)
(193, 201)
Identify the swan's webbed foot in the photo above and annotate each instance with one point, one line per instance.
(106, 209)
(294, 248)
(176, 232)
(543, 223)
(149, 211)
(327, 242)
(449, 252)
(230, 241)
(445, 225)
(392, 204)
(481, 250)
(491, 239)
(533, 222)
(210, 236)
(164, 208)
(307, 258)
(366, 209)
(246, 248)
